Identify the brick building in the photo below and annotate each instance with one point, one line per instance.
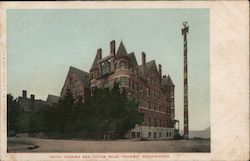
(78, 82)
(145, 83)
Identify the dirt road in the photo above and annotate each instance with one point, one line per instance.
(55, 145)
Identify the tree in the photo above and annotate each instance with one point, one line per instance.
(107, 112)
(60, 117)
(13, 112)
(113, 112)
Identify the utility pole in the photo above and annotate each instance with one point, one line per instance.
(186, 127)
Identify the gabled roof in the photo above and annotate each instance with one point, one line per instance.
(132, 59)
(83, 76)
(167, 81)
(121, 51)
(95, 61)
(170, 82)
(148, 66)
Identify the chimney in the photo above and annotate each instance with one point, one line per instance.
(160, 72)
(99, 54)
(32, 102)
(143, 56)
(24, 94)
(112, 48)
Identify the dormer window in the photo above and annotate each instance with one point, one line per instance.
(105, 67)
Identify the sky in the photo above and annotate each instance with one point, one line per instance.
(43, 43)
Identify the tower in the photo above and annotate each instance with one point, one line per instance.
(186, 127)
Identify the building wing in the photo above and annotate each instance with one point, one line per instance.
(51, 99)
(83, 76)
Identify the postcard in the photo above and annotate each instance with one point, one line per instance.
(155, 80)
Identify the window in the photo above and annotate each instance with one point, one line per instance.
(159, 134)
(155, 124)
(135, 72)
(106, 84)
(148, 105)
(122, 65)
(133, 134)
(148, 91)
(138, 134)
(124, 81)
(159, 123)
(172, 90)
(172, 102)
(149, 134)
(105, 67)
(167, 134)
(149, 121)
(97, 74)
(153, 106)
(136, 87)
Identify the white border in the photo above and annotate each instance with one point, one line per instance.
(229, 48)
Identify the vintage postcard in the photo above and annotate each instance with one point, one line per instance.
(124, 81)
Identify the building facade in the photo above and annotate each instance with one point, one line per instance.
(145, 83)
(30, 104)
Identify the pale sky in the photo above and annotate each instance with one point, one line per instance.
(43, 44)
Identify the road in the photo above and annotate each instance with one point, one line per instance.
(56, 145)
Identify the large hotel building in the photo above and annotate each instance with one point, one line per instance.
(145, 82)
